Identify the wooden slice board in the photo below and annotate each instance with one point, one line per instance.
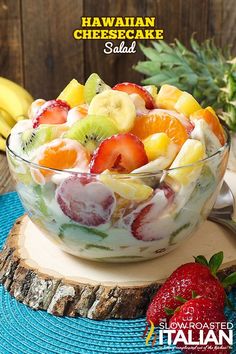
(37, 273)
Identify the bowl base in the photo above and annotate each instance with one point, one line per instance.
(39, 274)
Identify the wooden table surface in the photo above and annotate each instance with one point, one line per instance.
(46, 57)
(6, 182)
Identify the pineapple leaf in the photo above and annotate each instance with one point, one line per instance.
(162, 46)
(181, 47)
(155, 80)
(157, 46)
(147, 67)
(207, 72)
(150, 53)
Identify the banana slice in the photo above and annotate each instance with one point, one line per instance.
(116, 105)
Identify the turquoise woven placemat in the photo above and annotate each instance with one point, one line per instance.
(24, 331)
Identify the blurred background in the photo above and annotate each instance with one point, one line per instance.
(37, 49)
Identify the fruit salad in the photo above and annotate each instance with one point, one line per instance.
(117, 174)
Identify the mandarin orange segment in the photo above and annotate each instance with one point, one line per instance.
(162, 122)
(59, 158)
(62, 154)
(212, 120)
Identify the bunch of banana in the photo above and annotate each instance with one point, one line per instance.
(14, 105)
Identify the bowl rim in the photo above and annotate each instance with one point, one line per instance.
(122, 175)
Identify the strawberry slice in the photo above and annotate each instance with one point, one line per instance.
(85, 200)
(51, 112)
(121, 152)
(130, 88)
(145, 225)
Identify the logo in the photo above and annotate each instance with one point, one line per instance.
(214, 336)
(118, 28)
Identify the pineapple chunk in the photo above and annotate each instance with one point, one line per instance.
(186, 104)
(191, 152)
(168, 96)
(73, 94)
(152, 89)
(135, 191)
(156, 145)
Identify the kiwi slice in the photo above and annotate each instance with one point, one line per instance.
(91, 131)
(31, 139)
(93, 86)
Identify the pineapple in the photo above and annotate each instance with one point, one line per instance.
(156, 145)
(187, 104)
(168, 96)
(191, 152)
(205, 71)
(132, 190)
(73, 94)
(152, 89)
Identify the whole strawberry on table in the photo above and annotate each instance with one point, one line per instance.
(193, 298)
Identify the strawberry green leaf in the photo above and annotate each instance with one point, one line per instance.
(215, 262)
(169, 312)
(194, 294)
(230, 280)
(180, 299)
(202, 260)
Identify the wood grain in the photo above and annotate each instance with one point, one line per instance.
(51, 56)
(228, 29)
(180, 18)
(11, 59)
(215, 20)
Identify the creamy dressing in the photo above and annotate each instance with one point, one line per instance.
(203, 132)
(170, 221)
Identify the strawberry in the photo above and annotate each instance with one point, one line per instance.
(130, 88)
(195, 315)
(121, 152)
(144, 226)
(85, 200)
(188, 278)
(51, 112)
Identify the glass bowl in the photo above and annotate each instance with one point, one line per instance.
(119, 218)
